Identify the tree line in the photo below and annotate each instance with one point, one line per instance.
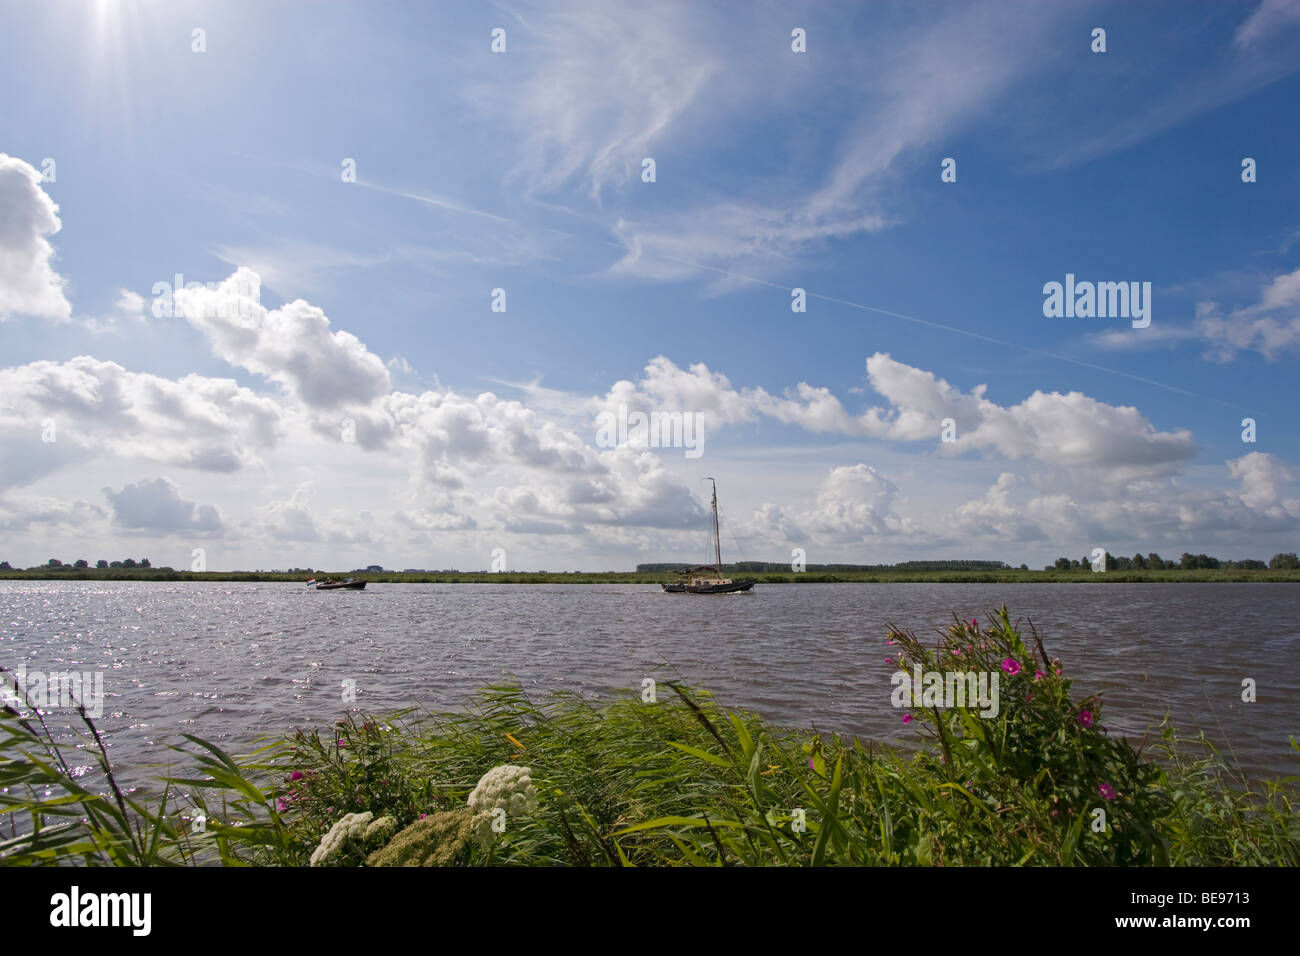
(1188, 562)
(81, 564)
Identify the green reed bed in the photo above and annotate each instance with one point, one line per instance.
(678, 781)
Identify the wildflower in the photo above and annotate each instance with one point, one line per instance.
(348, 830)
(380, 831)
(889, 660)
(296, 775)
(1106, 790)
(508, 787)
(1085, 718)
(907, 718)
(957, 651)
(1039, 675)
(282, 806)
(1011, 666)
(433, 840)
(891, 641)
(974, 624)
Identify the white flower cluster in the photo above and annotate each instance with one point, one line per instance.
(380, 831)
(508, 787)
(350, 829)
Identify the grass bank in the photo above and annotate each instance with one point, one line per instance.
(676, 780)
(639, 577)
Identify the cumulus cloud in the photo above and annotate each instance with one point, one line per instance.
(291, 345)
(158, 507)
(58, 413)
(1051, 427)
(28, 283)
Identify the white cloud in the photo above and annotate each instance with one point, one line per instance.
(291, 345)
(28, 283)
(157, 506)
(56, 414)
(1271, 326)
(1270, 18)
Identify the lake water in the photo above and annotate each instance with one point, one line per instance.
(231, 661)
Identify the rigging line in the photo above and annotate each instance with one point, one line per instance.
(723, 517)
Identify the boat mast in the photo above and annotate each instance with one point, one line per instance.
(717, 537)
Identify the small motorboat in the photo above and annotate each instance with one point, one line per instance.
(351, 584)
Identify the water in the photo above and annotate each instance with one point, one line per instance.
(231, 661)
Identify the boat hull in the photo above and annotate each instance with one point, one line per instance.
(731, 587)
(343, 586)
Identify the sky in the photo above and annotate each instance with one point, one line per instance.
(438, 259)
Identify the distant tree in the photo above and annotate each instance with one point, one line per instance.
(101, 564)
(144, 563)
(1284, 562)
(1121, 563)
(1111, 563)
(1024, 567)
(1251, 564)
(1074, 565)
(129, 563)
(1085, 562)
(4, 566)
(1187, 562)
(115, 564)
(81, 563)
(54, 563)
(1155, 562)
(1062, 564)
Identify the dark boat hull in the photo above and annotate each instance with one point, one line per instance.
(733, 587)
(343, 586)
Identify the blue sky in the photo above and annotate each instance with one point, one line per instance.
(522, 170)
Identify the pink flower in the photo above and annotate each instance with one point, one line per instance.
(907, 718)
(1039, 675)
(283, 806)
(296, 775)
(974, 625)
(1011, 666)
(889, 660)
(957, 651)
(891, 641)
(1085, 718)
(810, 764)
(1106, 790)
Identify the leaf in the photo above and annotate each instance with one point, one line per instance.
(701, 754)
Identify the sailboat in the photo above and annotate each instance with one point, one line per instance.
(700, 580)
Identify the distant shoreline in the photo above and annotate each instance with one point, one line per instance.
(640, 577)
